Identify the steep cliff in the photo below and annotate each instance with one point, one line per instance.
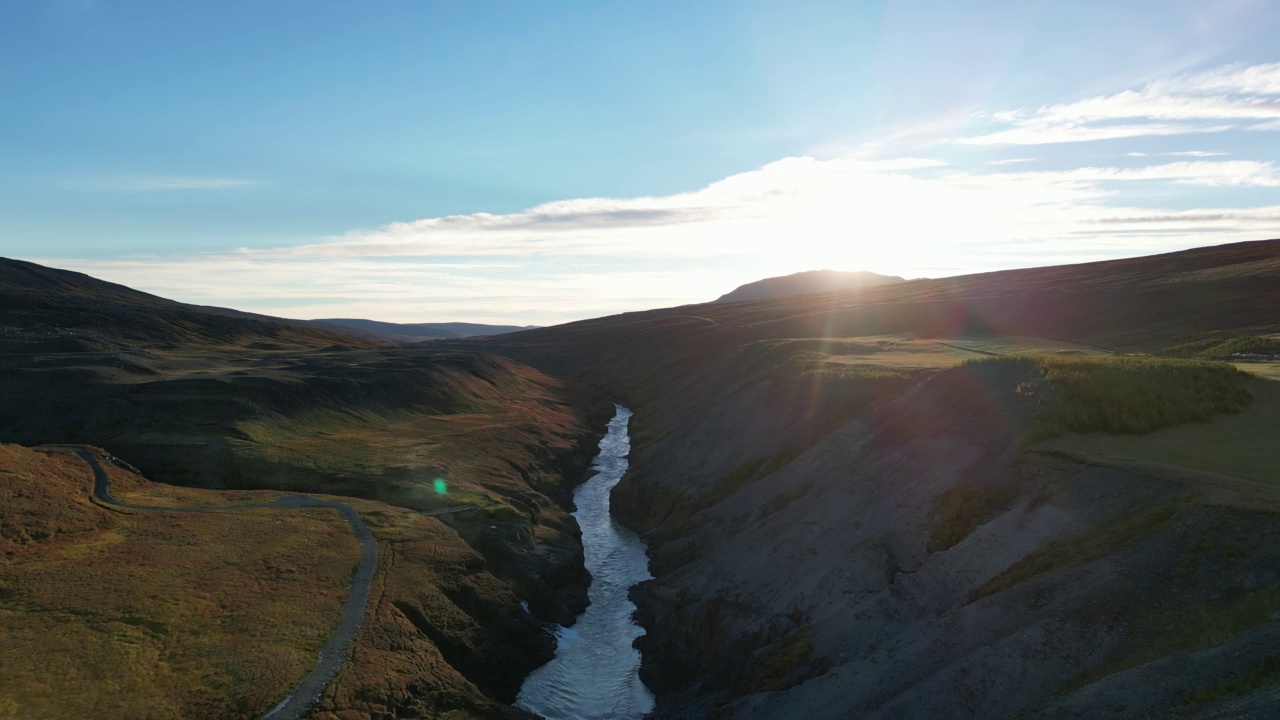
(846, 520)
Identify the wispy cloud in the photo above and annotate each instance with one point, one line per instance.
(156, 183)
(1213, 101)
(562, 260)
(911, 216)
(1186, 153)
(1234, 173)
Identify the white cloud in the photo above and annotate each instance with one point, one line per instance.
(560, 261)
(1213, 101)
(153, 183)
(1036, 132)
(1234, 173)
(909, 216)
(1186, 153)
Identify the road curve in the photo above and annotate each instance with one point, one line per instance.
(337, 648)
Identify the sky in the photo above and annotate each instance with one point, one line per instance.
(535, 163)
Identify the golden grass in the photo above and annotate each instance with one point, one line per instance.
(157, 615)
(905, 352)
(349, 441)
(395, 456)
(1266, 371)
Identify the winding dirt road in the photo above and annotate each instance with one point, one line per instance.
(337, 648)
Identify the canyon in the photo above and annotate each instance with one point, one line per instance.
(1033, 493)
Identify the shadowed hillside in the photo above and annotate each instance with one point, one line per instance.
(848, 518)
(45, 310)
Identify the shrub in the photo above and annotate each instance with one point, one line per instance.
(1131, 395)
(1226, 348)
(960, 510)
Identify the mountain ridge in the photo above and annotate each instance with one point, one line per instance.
(800, 461)
(806, 283)
(417, 332)
(50, 309)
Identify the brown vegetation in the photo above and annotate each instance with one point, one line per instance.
(220, 400)
(156, 615)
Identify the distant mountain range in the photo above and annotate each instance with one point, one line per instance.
(417, 332)
(805, 283)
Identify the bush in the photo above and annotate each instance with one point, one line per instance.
(1131, 395)
(960, 510)
(1225, 348)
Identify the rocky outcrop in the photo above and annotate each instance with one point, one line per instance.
(813, 590)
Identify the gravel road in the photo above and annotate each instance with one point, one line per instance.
(337, 648)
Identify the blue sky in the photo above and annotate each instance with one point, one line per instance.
(539, 162)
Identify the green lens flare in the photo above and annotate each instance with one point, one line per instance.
(441, 487)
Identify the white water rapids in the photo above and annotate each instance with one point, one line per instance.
(595, 672)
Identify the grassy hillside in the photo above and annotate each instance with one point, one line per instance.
(508, 443)
(1222, 348)
(1141, 304)
(1234, 445)
(229, 401)
(130, 614)
(1129, 395)
(219, 615)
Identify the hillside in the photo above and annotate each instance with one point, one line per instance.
(417, 332)
(1139, 304)
(895, 501)
(251, 595)
(46, 310)
(229, 401)
(871, 527)
(806, 283)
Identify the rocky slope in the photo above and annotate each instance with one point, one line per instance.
(841, 530)
(830, 586)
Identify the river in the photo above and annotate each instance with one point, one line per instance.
(595, 672)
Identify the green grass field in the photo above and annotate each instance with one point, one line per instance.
(1129, 395)
(1225, 348)
(911, 353)
(1243, 445)
(1268, 371)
